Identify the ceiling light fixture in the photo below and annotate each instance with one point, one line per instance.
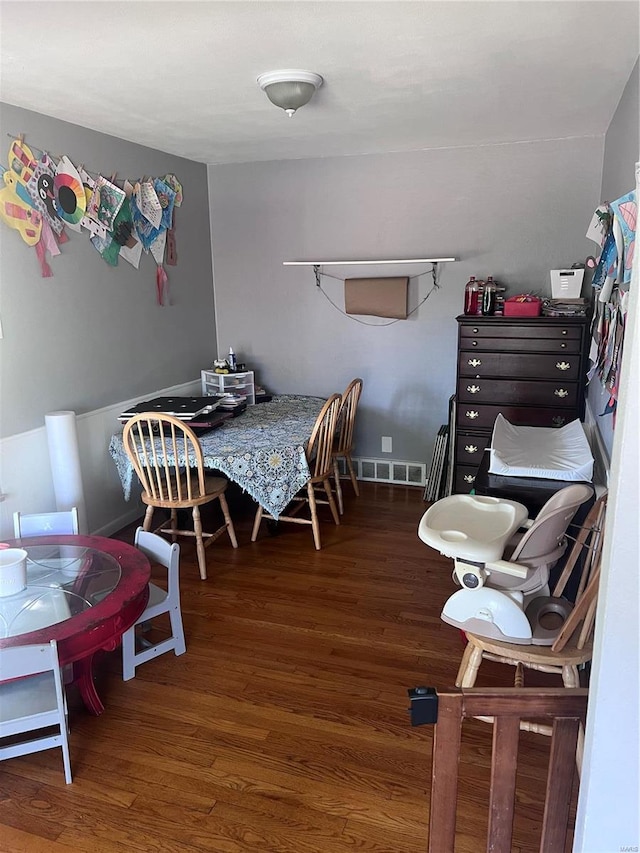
(289, 89)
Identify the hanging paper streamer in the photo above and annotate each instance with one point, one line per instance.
(172, 252)
(157, 247)
(47, 244)
(162, 286)
(41, 190)
(71, 201)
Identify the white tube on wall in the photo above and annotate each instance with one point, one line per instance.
(64, 456)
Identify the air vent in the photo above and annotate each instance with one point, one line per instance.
(384, 471)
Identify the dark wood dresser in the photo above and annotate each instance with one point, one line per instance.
(532, 370)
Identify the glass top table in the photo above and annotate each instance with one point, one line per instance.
(82, 591)
(62, 581)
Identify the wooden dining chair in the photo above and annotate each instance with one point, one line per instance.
(343, 445)
(167, 457)
(319, 454)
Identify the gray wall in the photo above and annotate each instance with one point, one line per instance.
(513, 211)
(93, 334)
(621, 152)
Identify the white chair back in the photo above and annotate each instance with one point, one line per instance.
(167, 554)
(32, 698)
(45, 523)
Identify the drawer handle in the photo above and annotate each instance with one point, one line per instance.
(474, 343)
(471, 415)
(558, 420)
(563, 346)
(474, 362)
(564, 331)
(563, 365)
(471, 448)
(473, 389)
(468, 478)
(560, 392)
(475, 331)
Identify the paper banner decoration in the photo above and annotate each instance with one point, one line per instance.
(41, 189)
(105, 202)
(599, 225)
(176, 186)
(148, 203)
(22, 164)
(625, 210)
(172, 252)
(162, 286)
(166, 197)
(71, 201)
(47, 244)
(21, 216)
(157, 247)
(132, 254)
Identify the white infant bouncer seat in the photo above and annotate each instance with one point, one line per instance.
(502, 561)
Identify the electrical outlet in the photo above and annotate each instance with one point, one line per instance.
(387, 444)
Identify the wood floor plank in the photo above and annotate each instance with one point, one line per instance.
(285, 727)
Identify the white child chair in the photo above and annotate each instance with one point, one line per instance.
(160, 601)
(31, 698)
(45, 523)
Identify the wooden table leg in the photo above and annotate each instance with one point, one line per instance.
(83, 677)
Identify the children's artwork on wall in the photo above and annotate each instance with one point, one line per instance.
(148, 203)
(71, 201)
(625, 211)
(41, 190)
(105, 202)
(42, 194)
(176, 186)
(17, 214)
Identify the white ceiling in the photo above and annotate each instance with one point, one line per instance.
(181, 76)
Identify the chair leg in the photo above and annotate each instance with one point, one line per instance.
(227, 517)
(256, 523)
(469, 666)
(197, 526)
(352, 474)
(336, 477)
(177, 630)
(148, 516)
(174, 524)
(314, 516)
(332, 504)
(128, 654)
(570, 676)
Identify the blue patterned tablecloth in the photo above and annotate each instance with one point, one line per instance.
(263, 450)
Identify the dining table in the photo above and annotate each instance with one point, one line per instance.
(263, 450)
(83, 592)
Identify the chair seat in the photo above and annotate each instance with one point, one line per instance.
(29, 700)
(541, 655)
(215, 486)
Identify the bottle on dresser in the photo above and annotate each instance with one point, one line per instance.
(471, 296)
(489, 295)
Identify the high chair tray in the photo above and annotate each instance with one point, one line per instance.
(471, 527)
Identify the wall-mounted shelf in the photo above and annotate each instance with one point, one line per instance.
(359, 263)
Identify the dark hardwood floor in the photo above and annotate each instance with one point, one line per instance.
(284, 727)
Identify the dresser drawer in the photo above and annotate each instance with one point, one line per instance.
(560, 346)
(470, 415)
(464, 479)
(534, 366)
(501, 329)
(519, 392)
(470, 448)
